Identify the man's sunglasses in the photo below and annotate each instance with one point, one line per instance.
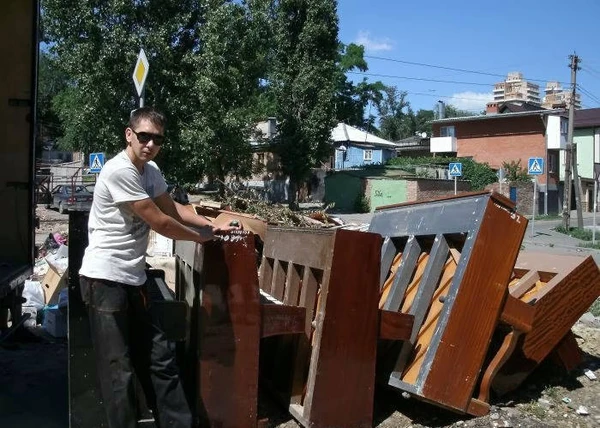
(145, 137)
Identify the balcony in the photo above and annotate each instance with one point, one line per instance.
(443, 145)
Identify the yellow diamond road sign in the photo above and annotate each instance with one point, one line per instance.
(140, 72)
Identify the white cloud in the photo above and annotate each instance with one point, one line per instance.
(364, 38)
(471, 101)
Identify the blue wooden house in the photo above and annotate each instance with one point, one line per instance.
(354, 147)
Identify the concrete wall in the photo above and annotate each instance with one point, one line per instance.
(382, 192)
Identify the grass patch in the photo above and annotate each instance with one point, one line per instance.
(575, 232)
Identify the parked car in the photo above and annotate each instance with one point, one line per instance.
(178, 193)
(71, 198)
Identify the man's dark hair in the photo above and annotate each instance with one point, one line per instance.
(147, 113)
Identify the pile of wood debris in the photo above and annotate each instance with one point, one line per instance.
(272, 214)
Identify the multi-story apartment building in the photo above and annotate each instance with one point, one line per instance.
(557, 97)
(515, 88)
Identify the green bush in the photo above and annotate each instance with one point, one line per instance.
(361, 204)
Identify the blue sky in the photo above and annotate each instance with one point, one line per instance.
(491, 38)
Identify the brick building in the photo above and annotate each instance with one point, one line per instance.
(510, 132)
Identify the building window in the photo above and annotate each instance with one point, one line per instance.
(368, 155)
(447, 131)
(564, 127)
(552, 163)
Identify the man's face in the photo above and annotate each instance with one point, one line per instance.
(144, 140)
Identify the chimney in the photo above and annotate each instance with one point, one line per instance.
(441, 110)
(491, 108)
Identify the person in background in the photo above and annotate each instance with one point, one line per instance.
(130, 198)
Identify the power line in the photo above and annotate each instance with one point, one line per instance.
(420, 79)
(591, 71)
(589, 94)
(461, 70)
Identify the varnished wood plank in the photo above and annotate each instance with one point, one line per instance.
(266, 274)
(388, 256)
(411, 254)
(413, 368)
(347, 342)
(387, 286)
(278, 284)
(292, 284)
(423, 299)
(471, 322)
(230, 334)
(281, 319)
(517, 314)
(524, 284)
(395, 325)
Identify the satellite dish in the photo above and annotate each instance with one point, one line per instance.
(423, 134)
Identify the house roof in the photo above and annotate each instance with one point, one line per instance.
(587, 118)
(517, 106)
(343, 133)
(544, 112)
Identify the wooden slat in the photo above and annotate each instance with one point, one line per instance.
(412, 251)
(278, 284)
(281, 319)
(524, 284)
(423, 299)
(426, 332)
(387, 285)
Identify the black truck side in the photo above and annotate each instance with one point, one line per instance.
(18, 76)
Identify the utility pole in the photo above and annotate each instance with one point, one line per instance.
(571, 155)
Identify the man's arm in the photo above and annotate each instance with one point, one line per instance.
(180, 213)
(167, 225)
(188, 216)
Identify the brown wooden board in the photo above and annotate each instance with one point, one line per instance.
(548, 294)
(335, 275)
(459, 255)
(220, 354)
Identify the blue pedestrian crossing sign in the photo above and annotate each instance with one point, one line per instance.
(535, 166)
(96, 162)
(455, 169)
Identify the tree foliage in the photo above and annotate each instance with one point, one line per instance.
(479, 174)
(352, 98)
(202, 75)
(515, 172)
(302, 79)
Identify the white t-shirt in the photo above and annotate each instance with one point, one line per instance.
(118, 239)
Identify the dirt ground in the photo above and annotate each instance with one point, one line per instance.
(34, 386)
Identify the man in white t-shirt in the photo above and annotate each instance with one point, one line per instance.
(130, 198)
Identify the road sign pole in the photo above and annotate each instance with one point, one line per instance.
(534, 202)
(142, 97)
(455, 182)
(595, 207)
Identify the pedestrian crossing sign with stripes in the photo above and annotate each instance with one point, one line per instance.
(96, 162)
(535, 166)
(455, 169)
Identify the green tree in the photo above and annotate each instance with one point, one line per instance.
(396, 119)
(51, 82)
(225, 74)
(303, 80)
(352, 98)
(479, 174)
(195, 49)
(515, 172)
